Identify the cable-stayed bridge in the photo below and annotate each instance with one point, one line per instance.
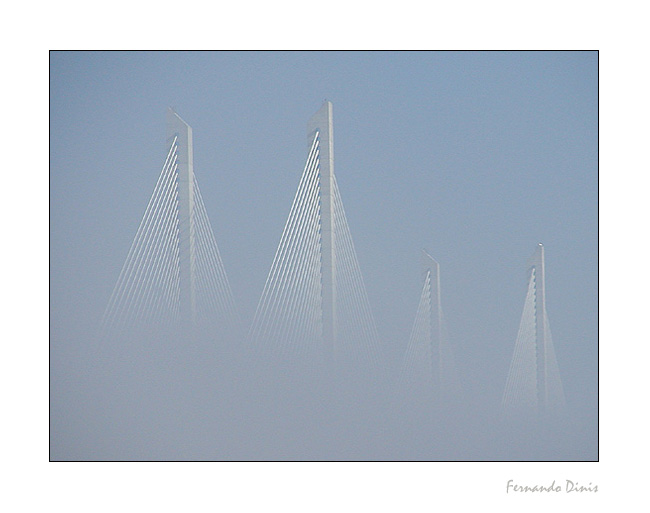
(314, 305)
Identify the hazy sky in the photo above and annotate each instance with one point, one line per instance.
(475, 156)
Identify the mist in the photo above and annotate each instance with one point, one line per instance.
(477, 157)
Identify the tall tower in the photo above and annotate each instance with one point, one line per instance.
(320, 131)
(542, 335)
(173, 273)
(431, 269)
(314, 303)
(179, 134)
(534, 386)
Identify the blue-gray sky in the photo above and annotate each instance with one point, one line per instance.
(476, 156)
